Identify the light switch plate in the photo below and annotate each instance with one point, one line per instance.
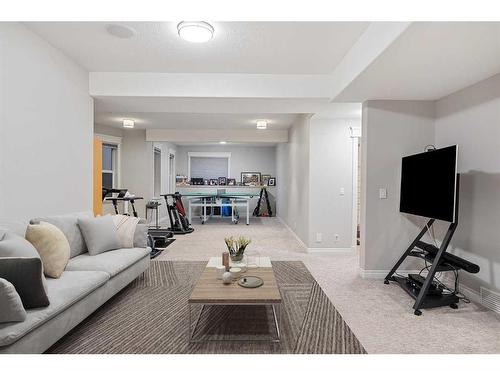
(342, 191)
(382, 193)
(319, 237)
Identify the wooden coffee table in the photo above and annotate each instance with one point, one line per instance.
(210, 291)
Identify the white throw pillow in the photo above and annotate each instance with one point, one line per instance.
(52, 245)
(125, 227)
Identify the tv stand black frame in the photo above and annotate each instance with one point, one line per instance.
(422, 298)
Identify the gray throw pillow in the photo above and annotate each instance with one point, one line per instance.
(21, 265)
(99, 234)
(11, 306)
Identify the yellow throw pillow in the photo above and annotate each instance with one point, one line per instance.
(52, 246)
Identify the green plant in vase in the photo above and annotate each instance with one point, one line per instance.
(236, 247)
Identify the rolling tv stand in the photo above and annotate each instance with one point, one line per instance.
(441, 262)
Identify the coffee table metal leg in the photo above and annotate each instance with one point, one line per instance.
(192, 332)
(277, 319)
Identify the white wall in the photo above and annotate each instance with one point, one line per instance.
(166, 148)
(292, 171)
(391, 130)
(108, 130)
(134, 175)
(471, 119)
(331, 169)
(46, 126)
(243, 158)
(137, 166)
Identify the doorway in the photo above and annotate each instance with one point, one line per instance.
(157, 172)
(171, 172)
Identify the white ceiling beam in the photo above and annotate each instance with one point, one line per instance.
(371, 44)
(209, 85)
(208, 105)
(217, 135)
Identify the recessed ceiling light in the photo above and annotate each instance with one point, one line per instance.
(128, 123)
(195, 31)
(261, 124)
(222, 142)
(121, 31)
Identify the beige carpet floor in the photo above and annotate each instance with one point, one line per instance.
(379, 315)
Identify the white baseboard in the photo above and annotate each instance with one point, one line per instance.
(339, 250)
(292, 232)
(381, 274)
(471, 294)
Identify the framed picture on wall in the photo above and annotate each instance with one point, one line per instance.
(231, 182)
(250, 178)
(213, 182)
(222, 180)
(265, 179)
(272, 181)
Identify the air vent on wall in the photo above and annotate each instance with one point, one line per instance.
(490, 299)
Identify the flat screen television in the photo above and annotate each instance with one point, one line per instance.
(428, 184)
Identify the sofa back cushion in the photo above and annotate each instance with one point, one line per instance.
(15, 226)
(68, 224)
(21, 265)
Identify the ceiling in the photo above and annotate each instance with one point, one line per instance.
(430, 60)
(271, 70)
(166, 120)
(237, 47)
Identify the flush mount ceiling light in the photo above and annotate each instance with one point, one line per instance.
(195, 31)
(128, 123)
(261, 124)
(222, 142)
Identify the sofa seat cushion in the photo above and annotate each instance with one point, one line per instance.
(113, 262)
(71, 287)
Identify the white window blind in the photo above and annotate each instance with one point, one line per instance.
(208, 167)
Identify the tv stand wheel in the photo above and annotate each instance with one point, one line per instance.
(417, 312)
(386, 282)
(454, 306)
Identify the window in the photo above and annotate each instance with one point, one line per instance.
(109, 165)
(209, 165)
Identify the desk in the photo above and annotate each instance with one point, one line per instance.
(233, 200)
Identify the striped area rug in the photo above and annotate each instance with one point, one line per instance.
(151, 315)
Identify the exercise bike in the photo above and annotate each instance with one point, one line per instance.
(179, 223)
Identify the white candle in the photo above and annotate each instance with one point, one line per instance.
(220, 271)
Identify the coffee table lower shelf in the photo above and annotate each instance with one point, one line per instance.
(276, 308)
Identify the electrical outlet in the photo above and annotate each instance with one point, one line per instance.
(336, 237)
(382, 193)
(319, 237)
(342, 191)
